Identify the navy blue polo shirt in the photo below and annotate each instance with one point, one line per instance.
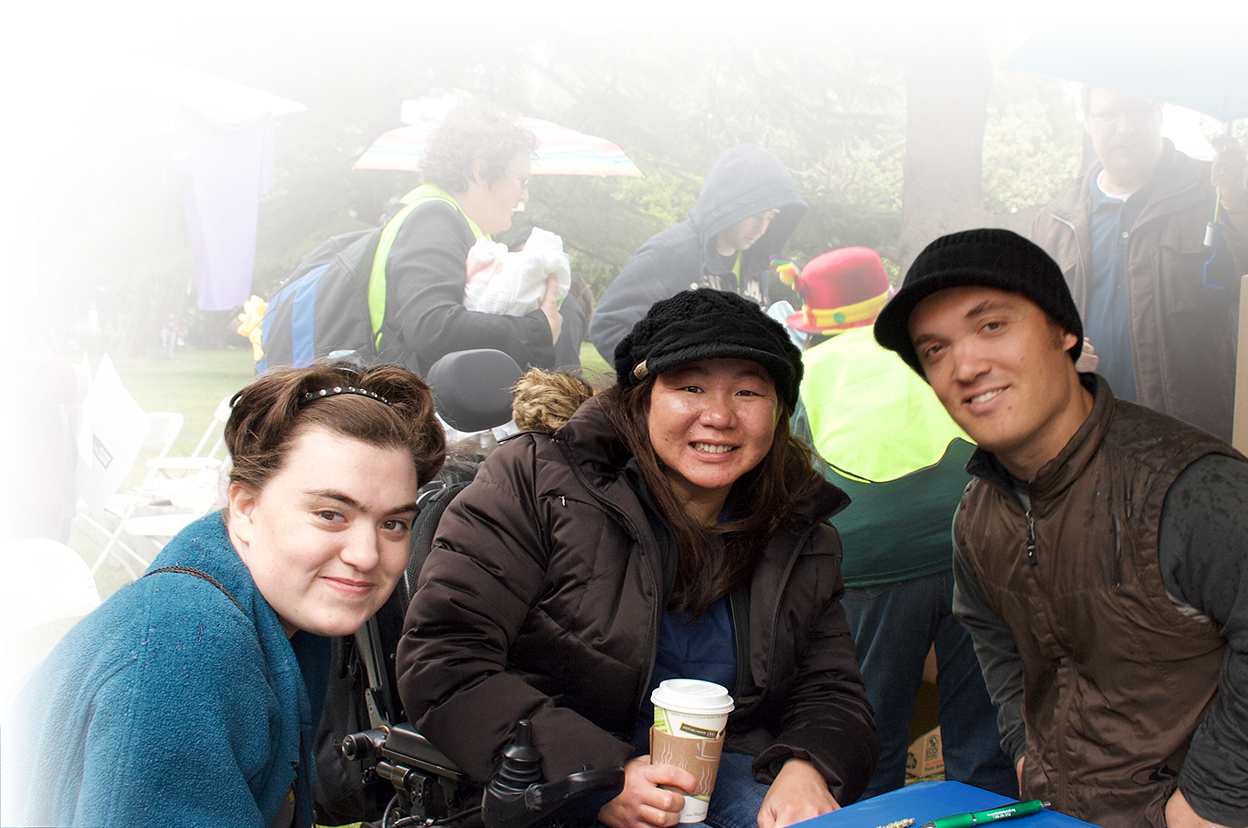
(1107, 321)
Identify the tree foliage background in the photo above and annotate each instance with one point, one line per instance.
(674, 87)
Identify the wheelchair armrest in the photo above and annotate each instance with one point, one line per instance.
(405, 742)
(402, 745)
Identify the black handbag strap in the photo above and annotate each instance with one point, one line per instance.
(203, 576)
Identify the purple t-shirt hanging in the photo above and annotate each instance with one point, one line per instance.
(224, 169)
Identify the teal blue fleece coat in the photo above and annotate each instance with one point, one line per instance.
(168, 705)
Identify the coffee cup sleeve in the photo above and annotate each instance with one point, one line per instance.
(698, 756)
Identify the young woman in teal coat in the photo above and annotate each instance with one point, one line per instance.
(191, 696)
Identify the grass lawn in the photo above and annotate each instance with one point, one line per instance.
(592, 364)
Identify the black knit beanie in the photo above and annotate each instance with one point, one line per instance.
(989, 257)
(709, 324)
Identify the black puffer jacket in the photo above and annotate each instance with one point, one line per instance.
(542, 599)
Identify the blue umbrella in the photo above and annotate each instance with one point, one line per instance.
(1176, 63)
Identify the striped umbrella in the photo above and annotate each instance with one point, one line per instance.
(560, 151)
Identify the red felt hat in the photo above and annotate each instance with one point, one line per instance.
(841, 290)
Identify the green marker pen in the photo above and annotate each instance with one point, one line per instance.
(1018, 809)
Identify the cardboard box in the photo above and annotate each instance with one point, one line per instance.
(925, 757)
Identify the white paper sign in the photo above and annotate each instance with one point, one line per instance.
(111, 433)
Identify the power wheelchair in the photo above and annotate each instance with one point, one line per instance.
(428, 790)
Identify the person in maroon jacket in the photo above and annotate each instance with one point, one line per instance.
(41, 390)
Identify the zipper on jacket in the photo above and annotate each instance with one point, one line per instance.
(802, 542)
(1032, 560)
(1117, 553)
(657, 620)
(1012, 490)
(739, 607)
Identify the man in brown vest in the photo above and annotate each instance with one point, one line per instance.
(1100, 554)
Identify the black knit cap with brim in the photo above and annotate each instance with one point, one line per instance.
(988, 257)
(709, 324)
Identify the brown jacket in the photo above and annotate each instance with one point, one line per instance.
(542, 598)
(1115, 679)
(1183, 333)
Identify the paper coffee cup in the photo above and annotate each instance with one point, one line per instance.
(689, 721)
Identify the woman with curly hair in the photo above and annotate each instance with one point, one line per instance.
(476, 171)
(190, 697)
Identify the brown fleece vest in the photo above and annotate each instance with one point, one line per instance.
(1115, 679)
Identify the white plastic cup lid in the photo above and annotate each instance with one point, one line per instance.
(705, 698)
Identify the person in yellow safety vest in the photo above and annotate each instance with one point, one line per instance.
(889, 444)
(476, 172)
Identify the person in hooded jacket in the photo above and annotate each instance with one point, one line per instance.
(748, 208)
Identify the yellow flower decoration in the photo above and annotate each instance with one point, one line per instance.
(786, 271)
(251, 317)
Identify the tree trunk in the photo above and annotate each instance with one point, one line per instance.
(947, 88)
(947, 83)
(65, 214)
(154, 299)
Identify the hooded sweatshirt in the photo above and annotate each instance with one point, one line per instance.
(744, 181)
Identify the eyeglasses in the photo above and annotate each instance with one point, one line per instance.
(524, 182)
(1107, 117)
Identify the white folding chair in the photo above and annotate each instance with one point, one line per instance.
(191, 484)
(207, 453)
(204, 452)
(193, 498)
(179, 489)
(164, 429)
(43, 580)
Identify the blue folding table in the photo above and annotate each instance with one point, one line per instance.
(926, 801)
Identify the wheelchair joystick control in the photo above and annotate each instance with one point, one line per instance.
(521, 765)
(516, 796)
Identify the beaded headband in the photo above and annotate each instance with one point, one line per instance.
(340, 389)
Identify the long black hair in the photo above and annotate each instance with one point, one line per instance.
(760, 502)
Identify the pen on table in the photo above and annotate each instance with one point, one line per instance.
(1018, 809)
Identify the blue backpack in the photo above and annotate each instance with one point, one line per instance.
(322, 307)
(334, 301)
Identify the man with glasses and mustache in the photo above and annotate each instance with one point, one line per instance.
(1129, 236)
